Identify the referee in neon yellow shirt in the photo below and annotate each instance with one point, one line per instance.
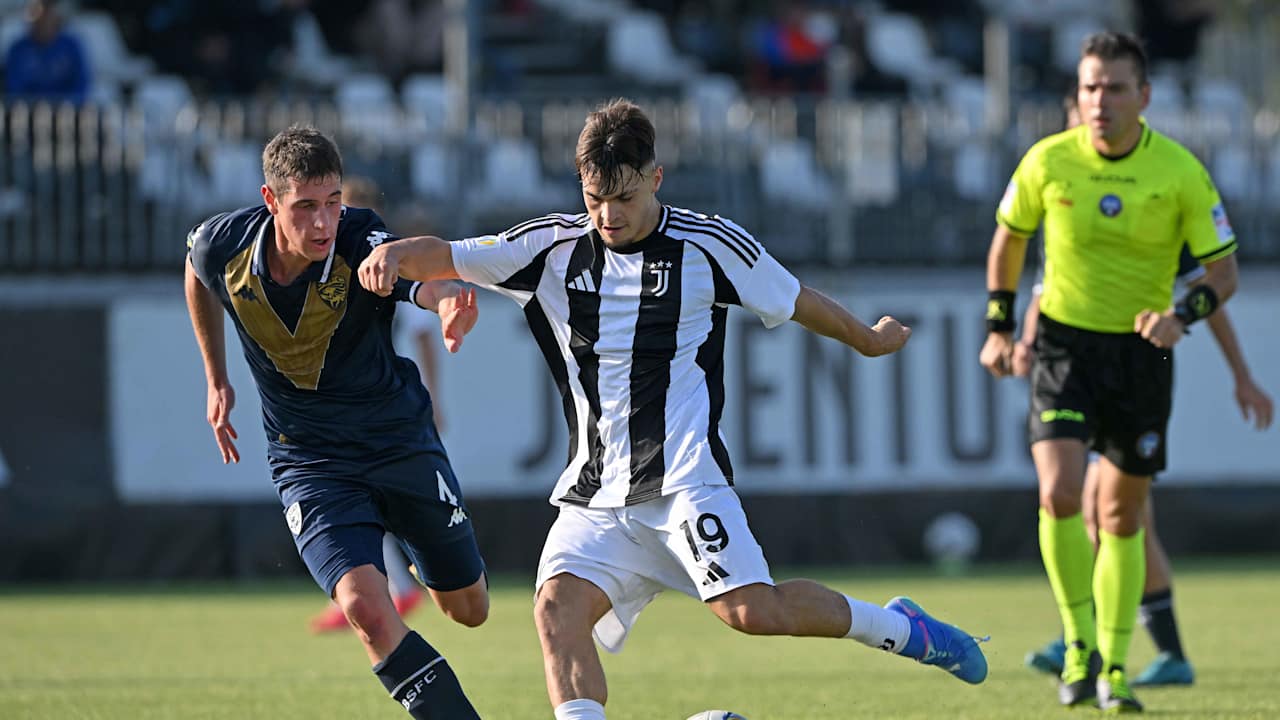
(1117, 200)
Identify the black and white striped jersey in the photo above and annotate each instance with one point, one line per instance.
(634, 340)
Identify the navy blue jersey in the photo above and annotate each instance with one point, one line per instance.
(335, 397)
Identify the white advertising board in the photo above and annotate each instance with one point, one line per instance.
(802, 414)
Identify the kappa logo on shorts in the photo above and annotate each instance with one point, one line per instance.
(293, 516)
(458, 517)
(1148, 443)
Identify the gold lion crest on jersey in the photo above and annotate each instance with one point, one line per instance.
(334, 292)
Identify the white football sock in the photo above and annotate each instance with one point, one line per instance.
(876, 627)
(581, 709)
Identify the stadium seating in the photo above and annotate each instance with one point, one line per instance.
(899, 45)
(512, 183)
(640, 48)
(869, 136)
(313, 63)
(367, 105)
(426, 103)
(789, 175)
(431, 171)
(109, 59)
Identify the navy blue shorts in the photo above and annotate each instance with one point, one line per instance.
(338, 523)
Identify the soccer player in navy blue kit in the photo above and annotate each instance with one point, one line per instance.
(351, 443)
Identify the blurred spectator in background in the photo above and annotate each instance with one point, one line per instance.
(791, 48)
(47, 62)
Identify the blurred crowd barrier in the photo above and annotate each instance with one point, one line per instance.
(114, 187)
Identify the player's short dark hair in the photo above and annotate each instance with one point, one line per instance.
(1113, 46)
(300, 153)
(616, 135)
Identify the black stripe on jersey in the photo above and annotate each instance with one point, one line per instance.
(584, 333)
(726, 293)
(545, 221)
(749, 244)
(752, 244)
(652, 350)
(528, 277)
(1218, 254)
(682, 222)
(540, 326)
(710, 358)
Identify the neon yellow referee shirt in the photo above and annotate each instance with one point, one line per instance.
(1114, 227)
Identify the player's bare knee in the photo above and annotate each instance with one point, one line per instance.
(368, 617)
(1060, 500)
(469, 611)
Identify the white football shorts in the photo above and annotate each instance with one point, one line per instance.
(696, 541)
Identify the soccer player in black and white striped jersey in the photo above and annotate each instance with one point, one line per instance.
(628, 303)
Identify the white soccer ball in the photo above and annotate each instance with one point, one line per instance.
(951, 540)
(716, 715)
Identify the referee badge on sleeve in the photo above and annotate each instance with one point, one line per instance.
(1222, 224)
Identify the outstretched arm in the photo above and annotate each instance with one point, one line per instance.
(825, 316)
(1254, 404)
(206, 320)
(417, 258)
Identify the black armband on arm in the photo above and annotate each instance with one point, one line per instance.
(1000, 311)
(1199, 302)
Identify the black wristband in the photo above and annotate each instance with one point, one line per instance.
(1000, 311)
(1199, 302)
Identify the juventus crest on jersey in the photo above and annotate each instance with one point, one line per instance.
(635, 341)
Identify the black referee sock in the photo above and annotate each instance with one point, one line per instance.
(1156, 614)
(421, 680)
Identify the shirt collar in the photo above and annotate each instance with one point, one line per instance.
(266, 234)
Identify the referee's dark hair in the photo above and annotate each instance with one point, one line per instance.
(300, 153)
(616, 135)
(1113, 46)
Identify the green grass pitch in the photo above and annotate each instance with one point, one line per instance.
(242, 651)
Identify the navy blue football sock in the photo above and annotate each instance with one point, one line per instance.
(1156, 613)
(421, 680)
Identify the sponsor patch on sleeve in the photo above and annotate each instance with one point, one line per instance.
(1223, 225)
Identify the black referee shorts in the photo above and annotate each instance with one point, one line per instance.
(1112, 391)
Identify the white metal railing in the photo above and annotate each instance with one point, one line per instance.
(115, 187)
